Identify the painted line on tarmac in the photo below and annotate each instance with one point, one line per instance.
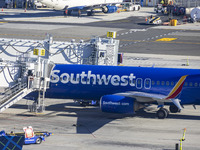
(29, 35)
(166, 39)
(132, 31)
(178, 42)
(152, 38)
(170, 42)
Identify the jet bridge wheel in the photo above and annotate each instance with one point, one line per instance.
(162, 113)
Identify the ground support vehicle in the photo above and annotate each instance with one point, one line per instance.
(36, 139)
(154, 20)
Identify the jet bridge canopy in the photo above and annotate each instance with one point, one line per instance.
(26, 65)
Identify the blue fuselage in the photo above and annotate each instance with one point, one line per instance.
(92, 82)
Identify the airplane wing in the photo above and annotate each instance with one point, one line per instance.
(149, 97)
(160, 98)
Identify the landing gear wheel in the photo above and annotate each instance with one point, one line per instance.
(38, 141)
(90, 13)
(162, 113)
(173, 109)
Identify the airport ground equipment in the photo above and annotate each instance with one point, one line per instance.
(37, 137)
(158, 8)
(154, 20)
(195, 14)
(26, 65)
(130, 6)
(11, 142)
(181, 141)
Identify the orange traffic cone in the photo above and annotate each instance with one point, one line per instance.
(25, 10)
(146, 19)
(2, 9)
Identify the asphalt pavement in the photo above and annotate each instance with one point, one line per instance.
(83, 128)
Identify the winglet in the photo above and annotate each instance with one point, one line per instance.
(177, 88)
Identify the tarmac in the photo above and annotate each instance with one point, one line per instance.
(83, 128)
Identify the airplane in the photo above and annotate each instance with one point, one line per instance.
(83, 5)
(123, 89)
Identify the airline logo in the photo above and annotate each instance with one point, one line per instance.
(177, 88)
(94, 79)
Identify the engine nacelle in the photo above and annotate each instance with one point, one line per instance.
(117, 104)
(109, 9)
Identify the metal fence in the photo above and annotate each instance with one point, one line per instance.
(188, 3)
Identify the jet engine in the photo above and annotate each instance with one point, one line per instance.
(109, 9)
(117, 104)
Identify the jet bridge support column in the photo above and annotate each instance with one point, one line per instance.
(43, 68)
(41, 81)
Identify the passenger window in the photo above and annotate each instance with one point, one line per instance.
(185, 84)
(153, 82)
(191, 84)
(163, 82)
(172, 83)
(158, 83)
(147, 83)
(167, 83)
(196, 84)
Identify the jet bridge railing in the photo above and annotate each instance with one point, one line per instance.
(9, 92)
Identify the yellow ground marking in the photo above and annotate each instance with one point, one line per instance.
(3, 22)
(180, 42)
(166, 39)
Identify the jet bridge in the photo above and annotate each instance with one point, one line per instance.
(26, 65)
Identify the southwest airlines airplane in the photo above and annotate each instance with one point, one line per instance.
(123, 89)
(83, 5)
